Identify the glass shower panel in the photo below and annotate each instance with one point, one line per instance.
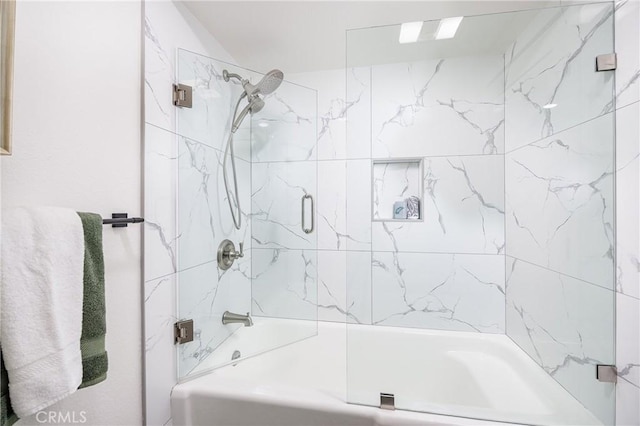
(284, 189)
(498, 296)
(205, 291)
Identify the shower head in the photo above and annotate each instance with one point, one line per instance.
(269, 83)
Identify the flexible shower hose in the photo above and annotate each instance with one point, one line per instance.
(237, 219)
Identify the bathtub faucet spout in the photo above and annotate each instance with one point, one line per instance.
(231, 318)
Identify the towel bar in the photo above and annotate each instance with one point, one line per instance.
(120, 220)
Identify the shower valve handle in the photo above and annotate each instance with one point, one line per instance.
(238, 254)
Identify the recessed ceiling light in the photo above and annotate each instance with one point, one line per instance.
(263, 124)
(409, 32)
(448, 27)
(549, 106)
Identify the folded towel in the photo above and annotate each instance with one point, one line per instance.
(41, 305)
(94, 327)
(7, 416)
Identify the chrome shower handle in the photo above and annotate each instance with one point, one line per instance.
(304, 228)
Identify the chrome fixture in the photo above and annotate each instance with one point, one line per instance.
(269, 83)
(607, 62)
(236, 354)
(606, 373)
(227, 254)
(302, 223)
(182, 95)
(183, 332)
(387, 401)
(231, 318)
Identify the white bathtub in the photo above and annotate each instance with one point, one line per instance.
(469, 375)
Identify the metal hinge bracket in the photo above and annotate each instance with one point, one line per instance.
(387, 401)
(182, 95)
(606, 373)
(183, 332)
(608, 62)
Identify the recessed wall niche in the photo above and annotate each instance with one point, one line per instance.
(397, 190)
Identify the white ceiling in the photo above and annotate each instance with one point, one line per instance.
(297, 36)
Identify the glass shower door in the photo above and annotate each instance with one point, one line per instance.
(494, 299)
(261, 283)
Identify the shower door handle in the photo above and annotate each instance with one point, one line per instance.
(304, 228)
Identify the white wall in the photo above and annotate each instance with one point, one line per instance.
(77, 144)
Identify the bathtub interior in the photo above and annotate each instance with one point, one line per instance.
(465, 375)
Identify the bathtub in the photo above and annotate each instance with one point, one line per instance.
(461, 376)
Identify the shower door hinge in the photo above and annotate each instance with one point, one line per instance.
(182, 95)
(606, 373)
(608, 62)
(183, 332)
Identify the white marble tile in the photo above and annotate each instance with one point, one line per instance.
(463, 209)
(159, 351)
(358, 131)
(559, 197)
(204, 218)
(204, 294)
(332, 110)
(332, 286)
(567, 327)
(627, 406)
(627, 40)
(552, 62)
(284, 283)
(344, 286)
(627, 344)
(358, 275)
(286, 128)
(277, 191)
(167, 27)
(628, 200)
(209, 120)
(439, 291)
(452, 106)
(358, 205)
(161, 169)
(331, 205)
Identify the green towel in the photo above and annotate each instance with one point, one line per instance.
(94, 327)
(7, 416)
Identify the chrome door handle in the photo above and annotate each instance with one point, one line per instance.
(304, 228)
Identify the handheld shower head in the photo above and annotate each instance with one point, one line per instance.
(269, 83)
(255, 105)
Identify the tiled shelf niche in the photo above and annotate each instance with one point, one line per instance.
(395, 180)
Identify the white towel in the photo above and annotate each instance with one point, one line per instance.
(41, 305)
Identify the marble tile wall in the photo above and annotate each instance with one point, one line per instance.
(559, 219)
(184, 198)
(448, 113)
(627, 113)
(561, 168)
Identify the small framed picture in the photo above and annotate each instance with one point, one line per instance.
(7, 35)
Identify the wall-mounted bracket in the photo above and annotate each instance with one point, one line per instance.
(182, 95)
(183, 332)
(608, 62)
(606, 373)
